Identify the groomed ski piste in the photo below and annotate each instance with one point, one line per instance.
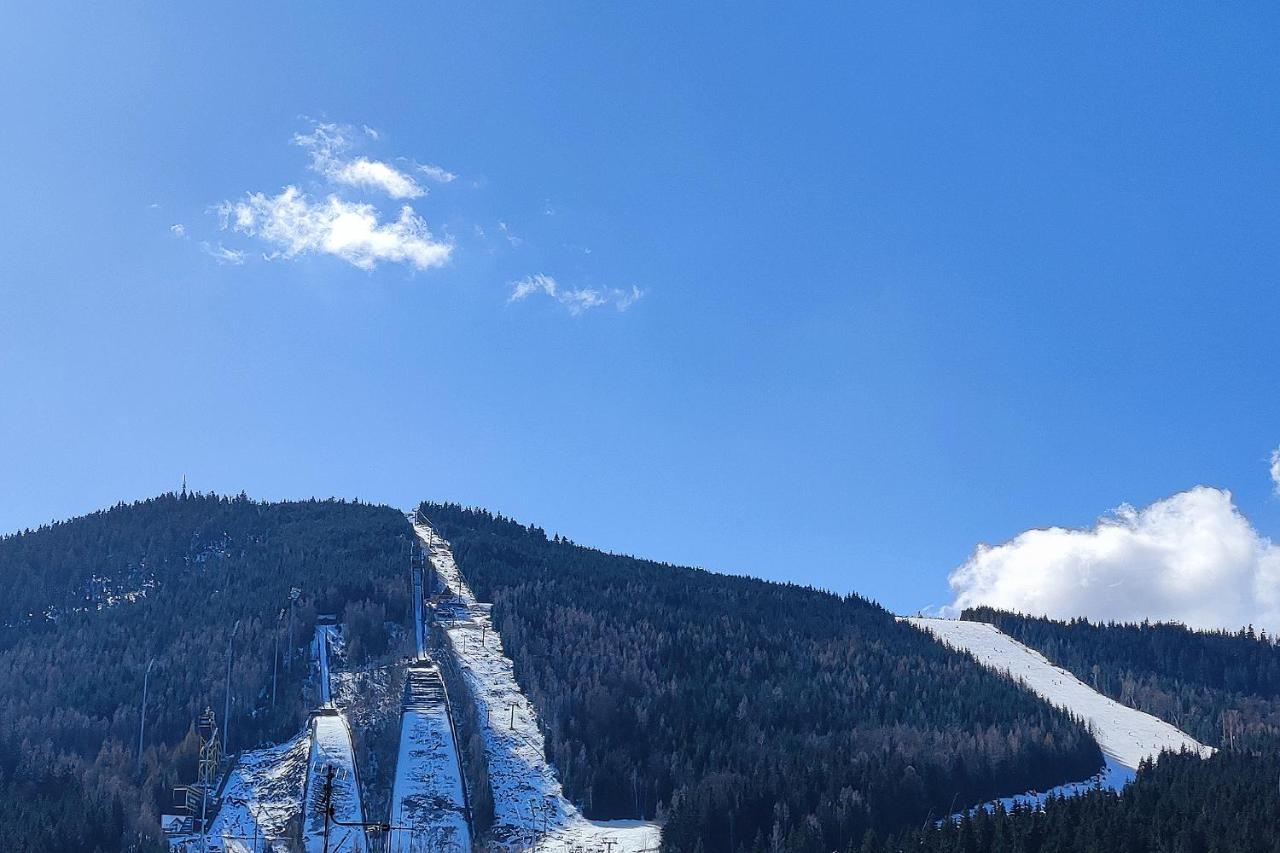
(530, 809)
(1126, 735)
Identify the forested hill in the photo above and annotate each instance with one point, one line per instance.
(88, 602)
(752, 716)
(1220, 687)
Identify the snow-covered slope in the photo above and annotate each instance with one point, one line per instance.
(530, 809)
(261, 795)
(447, 574)
(428, 805)
(331, 748)
(1126, 735)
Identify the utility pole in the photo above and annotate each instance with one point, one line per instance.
(327, 802)
(226, 712)
(275, 658)
(294, 593)
(142, 714)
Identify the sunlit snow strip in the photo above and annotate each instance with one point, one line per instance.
(530, 809)
(447, 573)
(1126, 735)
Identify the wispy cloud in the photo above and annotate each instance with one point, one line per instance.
(1275, 469)
(295, 224)
(575, 300)
(437, 173)
(178, 230)
(511, 238)
(1191, 558)
(329, 143)
(223, 255)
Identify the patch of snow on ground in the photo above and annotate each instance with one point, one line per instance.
(530, 809)
(1126, 735)
(261, 795)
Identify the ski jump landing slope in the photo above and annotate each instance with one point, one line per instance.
(331, 747)
(1126, 735)
(530, 809)
(428, 804)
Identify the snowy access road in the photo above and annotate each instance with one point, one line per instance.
(530, 809)
(428, 803)
(1126, 735)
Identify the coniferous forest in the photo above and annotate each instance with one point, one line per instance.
(750, 716)
(1228, 803)
(90, 601)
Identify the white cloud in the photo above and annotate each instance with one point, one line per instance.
(437, 173)
(178, 229)
(223, 255)
(511, 238)
(1191, 558)
(576, 300)
(1275, 469)
(297, 225)
(374, 174)
(328, 143)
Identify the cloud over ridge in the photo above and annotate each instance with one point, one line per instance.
(1190, 558)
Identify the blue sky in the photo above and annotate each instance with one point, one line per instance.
(874, 285)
